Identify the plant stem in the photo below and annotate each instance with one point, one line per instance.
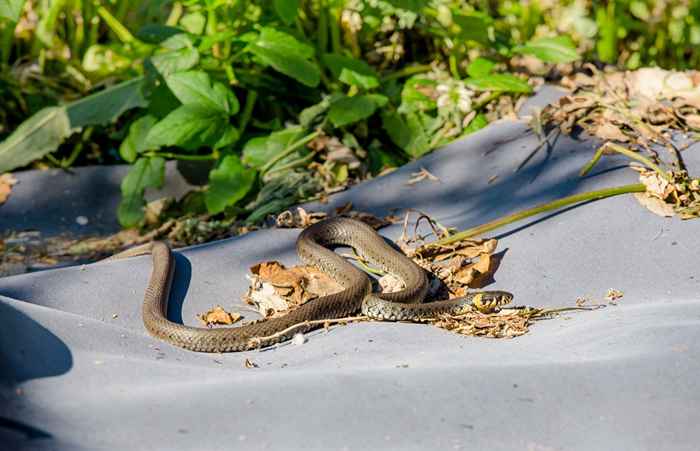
(628, 153)
(117, 28)
(291, 165)
(408, 71)
(563, 202)
(334, 24)
(8, 32)
(490, 98)
(289, 150)
(175, 14)
(247, 110)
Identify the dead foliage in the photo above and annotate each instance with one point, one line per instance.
(7, 181)
(275, 289)
(218, 316)
(639, 107)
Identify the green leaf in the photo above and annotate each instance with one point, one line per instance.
(351, 109)
(228, 184)
(415, 95)
(228, 137)
(104, 60)
(309, 114)
(607, 30)
(560, 49)
(396, 128)
(287, 55)
(259, 151)
(106, 106)
(174, 61)
(410, 5)
(180, 55)
(640, 10)
(336, 62)
(34, 138)
(177, 41)
(194, 22)
(480, 67)
(473, 27)
(411, 132)
(353, 78)
(155, 34)
(145, 173)
(287, 10)
(43, 132)
(420, 128)
(480, 121)
(189, 127)
(499, 82)
(135, 141)
(196, 89)
(378, 99)
(11, 9)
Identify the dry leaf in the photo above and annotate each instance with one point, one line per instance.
(423, 174)
(7, 180)
(610, 132)
(613, 294)
(391, 283)
(218, 315)
(276, 288)
(655, 205)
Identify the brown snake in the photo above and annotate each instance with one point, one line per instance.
(404, 305)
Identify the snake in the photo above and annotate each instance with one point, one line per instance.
(314, 248)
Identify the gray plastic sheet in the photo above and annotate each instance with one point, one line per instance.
(79, 372)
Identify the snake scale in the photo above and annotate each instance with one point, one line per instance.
(404, 305)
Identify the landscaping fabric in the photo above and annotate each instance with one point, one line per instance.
(79, 371)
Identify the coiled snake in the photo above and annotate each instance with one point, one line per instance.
(404, 305)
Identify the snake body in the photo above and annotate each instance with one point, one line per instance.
(404, 305)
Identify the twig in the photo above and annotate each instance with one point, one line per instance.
(281, 333)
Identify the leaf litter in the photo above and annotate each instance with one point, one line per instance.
(643, 110)
(454, 271)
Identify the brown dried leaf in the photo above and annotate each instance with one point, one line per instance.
(655, 205)
(7, 180)
(692, 120)
(290, 286)
(610, 132)
(391, 283)
(420, 176)
(218, 315)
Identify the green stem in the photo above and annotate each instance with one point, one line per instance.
(454, 70)
(8, 31)
(322, 33)
(289, 150)
(175, 14)
(408, 71)
(179, 156)
(291, 165)
(117, 28)
(247, 111)
(570, 200)
(334, 24)
(490, 98)
(628, 153)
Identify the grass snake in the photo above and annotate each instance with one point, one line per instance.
(312, 247)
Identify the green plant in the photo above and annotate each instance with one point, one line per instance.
(283, 99)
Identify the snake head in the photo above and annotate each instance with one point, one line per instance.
(490, 301)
